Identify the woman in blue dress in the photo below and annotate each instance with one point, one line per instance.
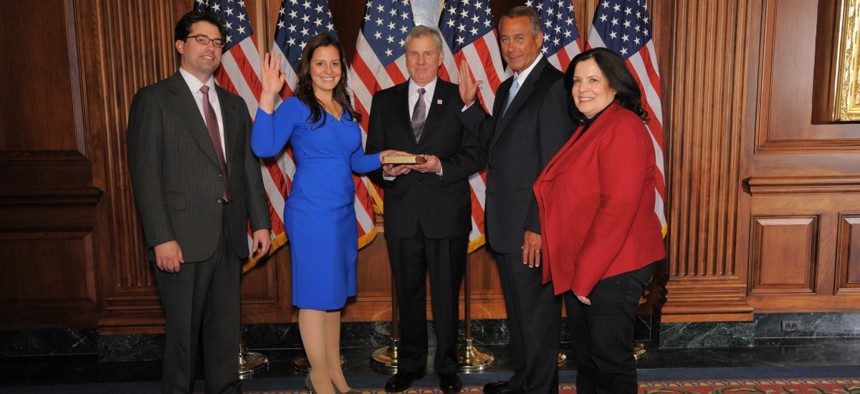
(322, 127)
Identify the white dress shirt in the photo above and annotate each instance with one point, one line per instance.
(194, 85)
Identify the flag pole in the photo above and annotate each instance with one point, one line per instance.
(384, 359)
(470, 358)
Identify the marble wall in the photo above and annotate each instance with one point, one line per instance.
(765, 330)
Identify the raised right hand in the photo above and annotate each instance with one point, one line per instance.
(468, 87)
(271, 79)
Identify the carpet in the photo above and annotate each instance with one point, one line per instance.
(795, 385)
(725, 386)
(820, 379)
(761, 386)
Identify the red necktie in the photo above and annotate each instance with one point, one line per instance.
(212, 125)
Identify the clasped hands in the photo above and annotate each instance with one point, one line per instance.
(431, 165)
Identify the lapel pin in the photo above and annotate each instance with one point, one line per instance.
(439, 102)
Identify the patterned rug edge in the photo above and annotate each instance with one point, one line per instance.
(844, 385)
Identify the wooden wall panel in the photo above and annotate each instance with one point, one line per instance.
(743, 150)
(266, 293)
(48, 255)
(48, 203)
(788, 142)
(62, 296)
(794, 165)
(784, 254)
(39, 80)
(71, 282)
(789, 80)
(829, 211)
(848, 254)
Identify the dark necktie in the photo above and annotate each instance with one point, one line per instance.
(212, 125)
(419, 114)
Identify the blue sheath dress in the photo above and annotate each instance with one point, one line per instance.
(319, 216)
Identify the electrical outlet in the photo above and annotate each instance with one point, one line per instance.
(790, 325)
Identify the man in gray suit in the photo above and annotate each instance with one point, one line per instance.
(196, 184)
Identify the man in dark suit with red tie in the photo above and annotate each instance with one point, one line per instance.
(529, 124)
(196, 184)
(427, 206)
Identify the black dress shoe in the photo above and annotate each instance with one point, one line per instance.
(497, 388)
(402, 381)
(450, 383)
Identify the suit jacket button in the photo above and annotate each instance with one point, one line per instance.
(220, 202)
(219, 175)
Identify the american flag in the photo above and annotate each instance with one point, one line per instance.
(468, 33)
(379, 60)
(240, 62)
(240, 73)
(624, 27)
(560, 35)
(298, 21)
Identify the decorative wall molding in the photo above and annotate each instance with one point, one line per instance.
(800, 184)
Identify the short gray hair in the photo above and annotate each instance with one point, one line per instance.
(422, 31)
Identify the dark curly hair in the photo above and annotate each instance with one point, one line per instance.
(627, 91)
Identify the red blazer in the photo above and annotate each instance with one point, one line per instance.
(596, 204)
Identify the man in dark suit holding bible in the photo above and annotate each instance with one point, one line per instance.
(196, 184)
(529, 124)
(427, 206)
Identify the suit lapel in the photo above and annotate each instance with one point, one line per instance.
(436, 109)
(523, 95)
(184, 104)
(401, 106)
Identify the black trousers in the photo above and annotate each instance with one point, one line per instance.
(201, 304)
(534, 323)
(602, 333)
(411, 260)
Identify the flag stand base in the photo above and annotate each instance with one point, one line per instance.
(251, 362)
(384, 360)
(471, 359)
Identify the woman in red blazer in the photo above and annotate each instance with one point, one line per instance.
(600, 235)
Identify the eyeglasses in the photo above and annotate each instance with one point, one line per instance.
(203, 40)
